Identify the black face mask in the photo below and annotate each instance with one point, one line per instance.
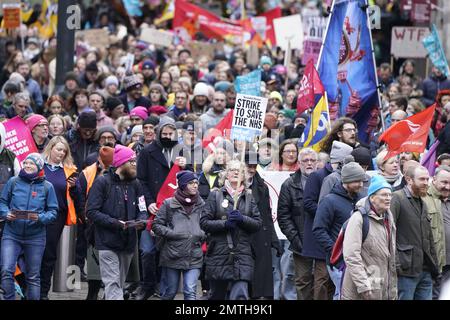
(168, 143)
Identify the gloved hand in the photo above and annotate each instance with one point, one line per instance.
(276, 245)
(230, 224)
(236, 216)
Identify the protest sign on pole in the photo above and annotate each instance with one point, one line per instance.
(432, 44)
(129, 62)
(98, 38)
(249, 84)
(18, 138)
(11, 15)
(311, 50)
(157, 37)
(248, 117)
(289, 28)
(406, 42)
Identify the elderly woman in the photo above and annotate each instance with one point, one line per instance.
(28, 202)
(61, 173)
(389, 168)
(229, 260)
(369, 247)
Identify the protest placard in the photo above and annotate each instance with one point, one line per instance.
(249, 84)
(157, 37)
(199, 49)
(98, 38)
(11, 15)
(311, 50)
(287, 29)
(248, 117)
(18, 138)
(406, 42)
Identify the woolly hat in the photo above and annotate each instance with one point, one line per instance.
(37, 159)
(104, 129)
(92, 66)
(137, 129)
(265, 60)
(362, 156)
(131, 82)
(201, 89)
(111, 80)
(71, 76)
(157, 110)
(140, 112)
(160, 88)
(378, 182)
(122, 155)
(35, 120)
(151, 120)
(276, 95)
(339, 151)
(148, 65)
(222, 86)
(184, 177)
(352, 172)
(106, 156)
(87, 119)
(112, 103)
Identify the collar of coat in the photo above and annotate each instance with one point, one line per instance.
(433, 192)
(175, 204)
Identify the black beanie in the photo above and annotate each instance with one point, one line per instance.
(362, 156)
(92, 66)
(151, 120)
(112, 103)
(87, 119)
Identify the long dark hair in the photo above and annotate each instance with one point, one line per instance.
(327, 143)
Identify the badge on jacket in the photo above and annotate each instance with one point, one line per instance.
(225, 203)
(142, 205)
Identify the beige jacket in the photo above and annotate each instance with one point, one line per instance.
(370, 266)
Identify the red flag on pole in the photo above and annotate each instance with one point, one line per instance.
(167, 190)
(409, 135)
(310, 86)
(222, 129)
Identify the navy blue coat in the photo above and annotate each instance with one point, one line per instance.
(331, 214)
(106, 205)
(431, 86)
(311, 247)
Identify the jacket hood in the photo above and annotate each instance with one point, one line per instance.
(212, 114)
(441, 78)
(164, 123)
(2, 136)
(340, 190)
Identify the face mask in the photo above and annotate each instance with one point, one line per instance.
(168, 143)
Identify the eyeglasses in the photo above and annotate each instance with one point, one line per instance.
(309, 160)
(108, 138)
(290, 151)
(132, 162)
(384, 195)
(350, 130)
(193, 182)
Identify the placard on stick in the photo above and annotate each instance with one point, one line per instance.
(248, 117)
(157, 37)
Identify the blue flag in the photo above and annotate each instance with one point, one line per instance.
(346, 67)
(249, 84)
(436, 53)
(317, 127)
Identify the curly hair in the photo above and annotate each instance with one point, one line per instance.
(338, 125)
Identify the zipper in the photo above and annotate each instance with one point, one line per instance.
(28, 205)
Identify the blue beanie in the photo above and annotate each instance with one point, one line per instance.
(376, 183)
(184, 177)
(265, 60)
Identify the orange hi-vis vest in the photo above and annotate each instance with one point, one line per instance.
(90, 173)
(71, 215)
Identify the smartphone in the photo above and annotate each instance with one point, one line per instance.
(73, 175)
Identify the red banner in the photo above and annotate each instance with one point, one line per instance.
(18, 138)
(310, 86)
(223, 129)
(409, 135)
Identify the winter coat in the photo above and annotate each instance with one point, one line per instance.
(80, 148)
(431, 86)
(444, 140)
(182, 249)
(415, 245)
(370, 264)
(331, 214)
(434, 203)
(141, 102)
(107, 204)
(311, 247)
(335, 178)
(262, 241)
(209, 178)
(38, 196)
(210, 119)
(221, 261)
(290, 211)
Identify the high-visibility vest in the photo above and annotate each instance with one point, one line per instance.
(71, 214)
(90, 173)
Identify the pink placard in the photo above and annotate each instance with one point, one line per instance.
(18, 138)
(311, 50)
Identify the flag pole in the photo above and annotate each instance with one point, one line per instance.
(328, 110)
(324, 38)
(375, 68)
(287, 60)
(236, 195)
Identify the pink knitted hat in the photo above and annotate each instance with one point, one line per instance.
(122, 154)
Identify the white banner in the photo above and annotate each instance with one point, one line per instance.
(406, 42)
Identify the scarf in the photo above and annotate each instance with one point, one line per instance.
(391, 179)
(30, 177)
(186, 200)
(231, 191)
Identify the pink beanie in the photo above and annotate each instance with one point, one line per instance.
(122, 154)
(141, 112)
(34, 120)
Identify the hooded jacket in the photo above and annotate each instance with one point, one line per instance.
(9, 164)
(80, 148)
(431, 86)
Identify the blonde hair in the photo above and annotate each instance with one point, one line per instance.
(63, 120)
(68, 160)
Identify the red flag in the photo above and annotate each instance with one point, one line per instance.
(310, 86)
(167, 190)
(409, 135)
(270, 31)
(192, 18)
(222, 129)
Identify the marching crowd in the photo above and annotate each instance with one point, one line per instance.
(108, 139)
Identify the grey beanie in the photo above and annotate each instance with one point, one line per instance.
(339, 151)
(104, 129)
(352, 172)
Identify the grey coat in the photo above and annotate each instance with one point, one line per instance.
(182, 248)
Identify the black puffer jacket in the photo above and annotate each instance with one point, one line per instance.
(182, 235)
(290, 211)
(223, 262)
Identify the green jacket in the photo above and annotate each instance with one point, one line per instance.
(433, 202)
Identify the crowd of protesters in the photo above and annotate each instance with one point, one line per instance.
(108, 138)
